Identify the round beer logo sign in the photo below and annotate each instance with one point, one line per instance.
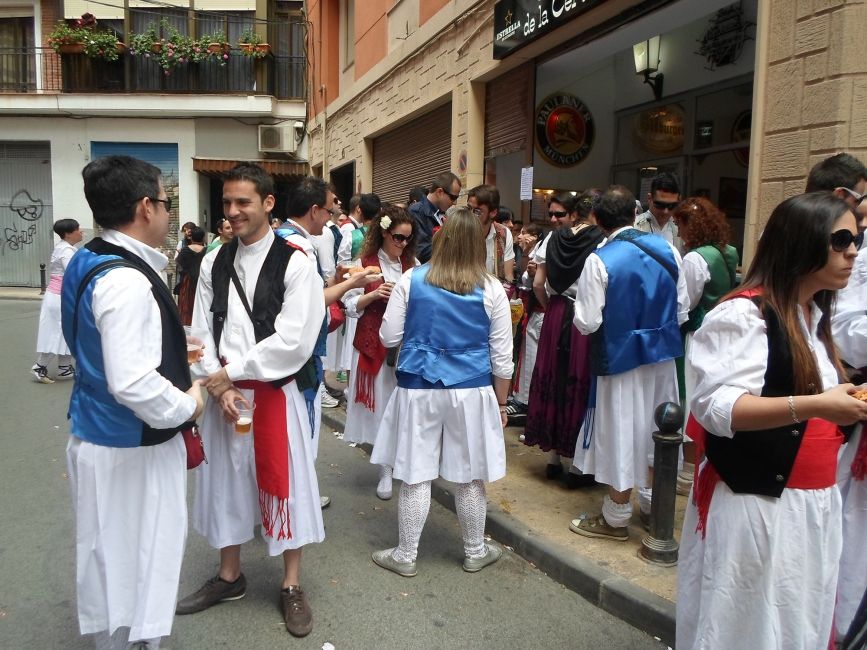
(564, 130)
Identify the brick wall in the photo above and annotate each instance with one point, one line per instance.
(51, 13)
(815, 98)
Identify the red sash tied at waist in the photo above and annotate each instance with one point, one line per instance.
(271, 449)
(815, 466)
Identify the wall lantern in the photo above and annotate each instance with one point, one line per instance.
(646, 55)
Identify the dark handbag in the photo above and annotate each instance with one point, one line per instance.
(195, 447)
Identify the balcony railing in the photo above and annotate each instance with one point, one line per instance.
(25, 70)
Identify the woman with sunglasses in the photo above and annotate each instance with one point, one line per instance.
(762, 534)
(388, 244)
(452, 321)
(710, 269)
(561, 376)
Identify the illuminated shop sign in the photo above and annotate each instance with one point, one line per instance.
(518, 22)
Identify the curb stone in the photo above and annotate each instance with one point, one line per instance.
(639, 607)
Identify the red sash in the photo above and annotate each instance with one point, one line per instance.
(271, 448)
(371, 351)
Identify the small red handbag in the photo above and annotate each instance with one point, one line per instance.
(338, 316)
(195, 447)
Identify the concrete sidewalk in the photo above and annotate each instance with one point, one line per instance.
(531, 515)
(20, 293)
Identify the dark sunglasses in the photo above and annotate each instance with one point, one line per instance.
(842, 239)
(400, 239)
(453, 197)
(166, 202)
(557, 213)
(663, 205)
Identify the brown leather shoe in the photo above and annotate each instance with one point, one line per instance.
(216, 590)
(296, 611)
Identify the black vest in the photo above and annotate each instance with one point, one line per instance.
(267, 298)
(173, 363)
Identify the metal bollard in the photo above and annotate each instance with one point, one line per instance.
(42, 283)
(660, 547)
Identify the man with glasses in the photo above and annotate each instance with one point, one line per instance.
(663, 198)
(132, 396)
(846, 177)
(430, 211)
(484, 201)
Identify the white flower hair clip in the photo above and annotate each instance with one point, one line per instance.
(385, 222)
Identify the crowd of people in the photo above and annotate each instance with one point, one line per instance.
(447, 323)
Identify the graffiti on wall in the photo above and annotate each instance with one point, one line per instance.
(26, 212)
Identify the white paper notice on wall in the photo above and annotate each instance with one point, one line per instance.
(526, 183)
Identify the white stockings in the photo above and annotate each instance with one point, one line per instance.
(472, 507)
(412, 508)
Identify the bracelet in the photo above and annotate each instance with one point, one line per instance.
(792, 410)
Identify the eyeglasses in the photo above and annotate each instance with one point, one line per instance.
(166, 202)
(398, 238)
(665, 205)
(858, 197)
(842, 239)
(453, 197)
(557, 213)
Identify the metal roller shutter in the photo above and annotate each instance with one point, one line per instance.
(412, 154)
(508, 112)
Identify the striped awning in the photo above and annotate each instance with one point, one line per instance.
(280, 170)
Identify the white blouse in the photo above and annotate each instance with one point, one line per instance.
(849, 322)
(696, 272)
(729, 354)
(496, 307)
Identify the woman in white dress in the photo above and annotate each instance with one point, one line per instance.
(388, 244)
(762, 534)
(49, 340)
(447, 414)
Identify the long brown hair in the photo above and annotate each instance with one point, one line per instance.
(375, 233)
(457, 263)
(794, 244)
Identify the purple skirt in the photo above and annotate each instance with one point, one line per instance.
(561, 382)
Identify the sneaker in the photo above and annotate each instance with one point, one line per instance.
(328, 402)
(40, 374)
(598, 527)
(473, 564)
(216, 590)
(516, 413)
(296, 611)
(324, 502)
(386, 560)
(65, 372)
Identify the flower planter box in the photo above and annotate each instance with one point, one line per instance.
(258, 51)
(218, 48)
(72, 48)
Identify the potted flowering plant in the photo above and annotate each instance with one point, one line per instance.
(217, 46)
(170, 50)
(252, 45)
(82, 37)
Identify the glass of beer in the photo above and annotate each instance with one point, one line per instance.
(245, 417)
(195, 343)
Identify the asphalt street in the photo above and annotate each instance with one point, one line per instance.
(355, 603)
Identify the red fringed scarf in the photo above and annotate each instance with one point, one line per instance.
(371, 352)
(271, 447)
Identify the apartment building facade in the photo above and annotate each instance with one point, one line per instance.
(737, 99)
(193, 119)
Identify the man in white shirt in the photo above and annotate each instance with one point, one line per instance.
(663, 198)
(260, 298)
(484, 201)
(132, 396)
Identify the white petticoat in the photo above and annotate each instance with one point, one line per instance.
(765, 575)
(853, 560)
(362, 424)
(226, 504)
(50, 339)
(453, 433)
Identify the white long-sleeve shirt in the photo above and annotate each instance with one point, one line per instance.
(391, 272)
(60, 257)
(128, 319)
(729, 354)
(593, 284)
(297, 325)
(696, 273)
(496, 307)
(849, 322)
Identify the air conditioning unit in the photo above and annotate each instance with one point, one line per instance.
(279, 138)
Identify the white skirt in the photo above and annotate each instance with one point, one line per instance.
(50, 339)
(766, 574)
(853, 560)
(226, 505)
(622, 440)
(529, 350)
(362, 423)
(131, 526)
(454, 433)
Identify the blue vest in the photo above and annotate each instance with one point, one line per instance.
(639, 320)
(445, 339)
(96, 416)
